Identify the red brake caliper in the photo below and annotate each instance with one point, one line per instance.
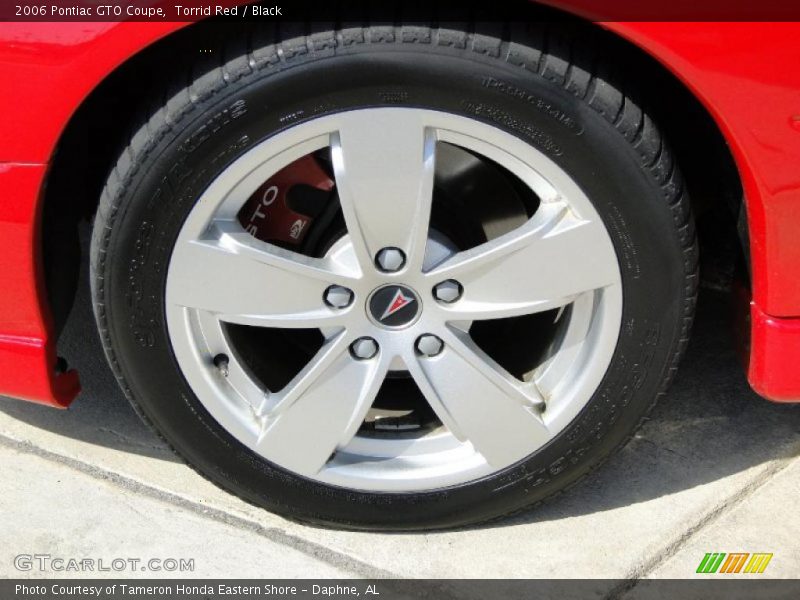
(266, 214)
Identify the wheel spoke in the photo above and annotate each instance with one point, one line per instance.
(545, 264)
(321, 409)
(244, 280)
(384, 170)
(479, 401)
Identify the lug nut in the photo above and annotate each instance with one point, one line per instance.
(364, 348)
(390, 259)
(337, 296)
(448, 291)
(429, 345)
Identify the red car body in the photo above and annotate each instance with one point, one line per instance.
(745, 74)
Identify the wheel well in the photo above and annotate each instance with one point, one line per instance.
(103, 124)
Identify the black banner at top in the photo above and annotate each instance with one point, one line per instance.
(429, 11)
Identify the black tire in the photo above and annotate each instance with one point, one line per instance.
(579, 118)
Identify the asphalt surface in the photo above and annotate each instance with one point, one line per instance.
(715, 469)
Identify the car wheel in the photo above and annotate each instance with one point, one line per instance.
(395, 279)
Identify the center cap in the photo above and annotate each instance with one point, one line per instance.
(393, 306)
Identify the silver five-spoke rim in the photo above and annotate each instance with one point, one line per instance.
(383, 162)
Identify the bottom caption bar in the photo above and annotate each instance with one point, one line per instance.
(389, 589)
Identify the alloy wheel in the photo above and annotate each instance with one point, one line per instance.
(394, 297)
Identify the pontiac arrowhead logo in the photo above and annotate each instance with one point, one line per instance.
(399, 300)
(393, 306)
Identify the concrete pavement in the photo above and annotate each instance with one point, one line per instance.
(715, 469)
